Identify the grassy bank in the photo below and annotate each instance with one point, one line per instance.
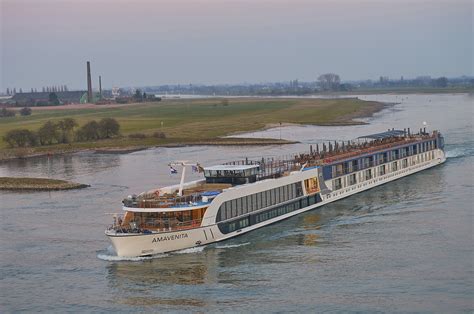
(37, 184)
(186, 122)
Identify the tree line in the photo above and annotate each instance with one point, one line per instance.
(63, 131)
(6, 113)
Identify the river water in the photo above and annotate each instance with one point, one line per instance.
(406, 246)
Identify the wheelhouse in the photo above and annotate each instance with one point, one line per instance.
(231, 174)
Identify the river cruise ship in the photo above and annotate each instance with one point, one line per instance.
(238, 197)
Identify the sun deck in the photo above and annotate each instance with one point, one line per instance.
(194, 196)
(199, 194)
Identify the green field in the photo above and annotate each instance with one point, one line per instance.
(196, 121)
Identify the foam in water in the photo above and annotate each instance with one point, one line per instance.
(197, 249)
(111, 256)
(115, 258)
(229, 246)
(457, 152)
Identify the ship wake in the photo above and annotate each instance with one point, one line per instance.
(111, 256)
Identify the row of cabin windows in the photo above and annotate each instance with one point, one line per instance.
(381, 158)
(250, 203)
(255, 218)
(382, 170)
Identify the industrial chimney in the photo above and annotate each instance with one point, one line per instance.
(100, 86)
(89, 83)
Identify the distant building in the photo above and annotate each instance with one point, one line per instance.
(32, 99)
(115, 92)
(423, 80)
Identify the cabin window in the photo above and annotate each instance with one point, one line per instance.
(304, 202)
(339, 170)
(231, 226)
(404, 163)
(337, 184)
(299, 189)
(366, 162)
(382, 170)
(394, 166)
(432, 155)
(311, 185)
(352, 179)
(243, 223)
(368, 174)
(348, 167)
(354, 165)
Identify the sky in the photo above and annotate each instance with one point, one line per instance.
(148, 43)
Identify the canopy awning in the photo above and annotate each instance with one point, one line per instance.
(379, 136)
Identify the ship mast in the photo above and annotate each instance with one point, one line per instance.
(183, 164)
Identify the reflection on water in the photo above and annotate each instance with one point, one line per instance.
(176, 269)
(404, 246)
(64, 166)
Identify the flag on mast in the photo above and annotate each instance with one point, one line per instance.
(173, 170)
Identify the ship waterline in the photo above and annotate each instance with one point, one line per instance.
(239, 197)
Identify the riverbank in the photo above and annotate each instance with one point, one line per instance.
(110, 147)
(37, 184)
(190, 122)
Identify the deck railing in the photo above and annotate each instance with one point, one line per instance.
(156, 225)
(165, 202)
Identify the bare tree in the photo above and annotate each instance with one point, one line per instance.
(329, 81)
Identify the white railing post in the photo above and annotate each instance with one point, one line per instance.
(181, 184)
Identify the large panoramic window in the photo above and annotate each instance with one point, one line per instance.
(271, 213)
(247, 204)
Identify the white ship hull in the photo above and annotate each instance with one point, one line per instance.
(131, 245)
